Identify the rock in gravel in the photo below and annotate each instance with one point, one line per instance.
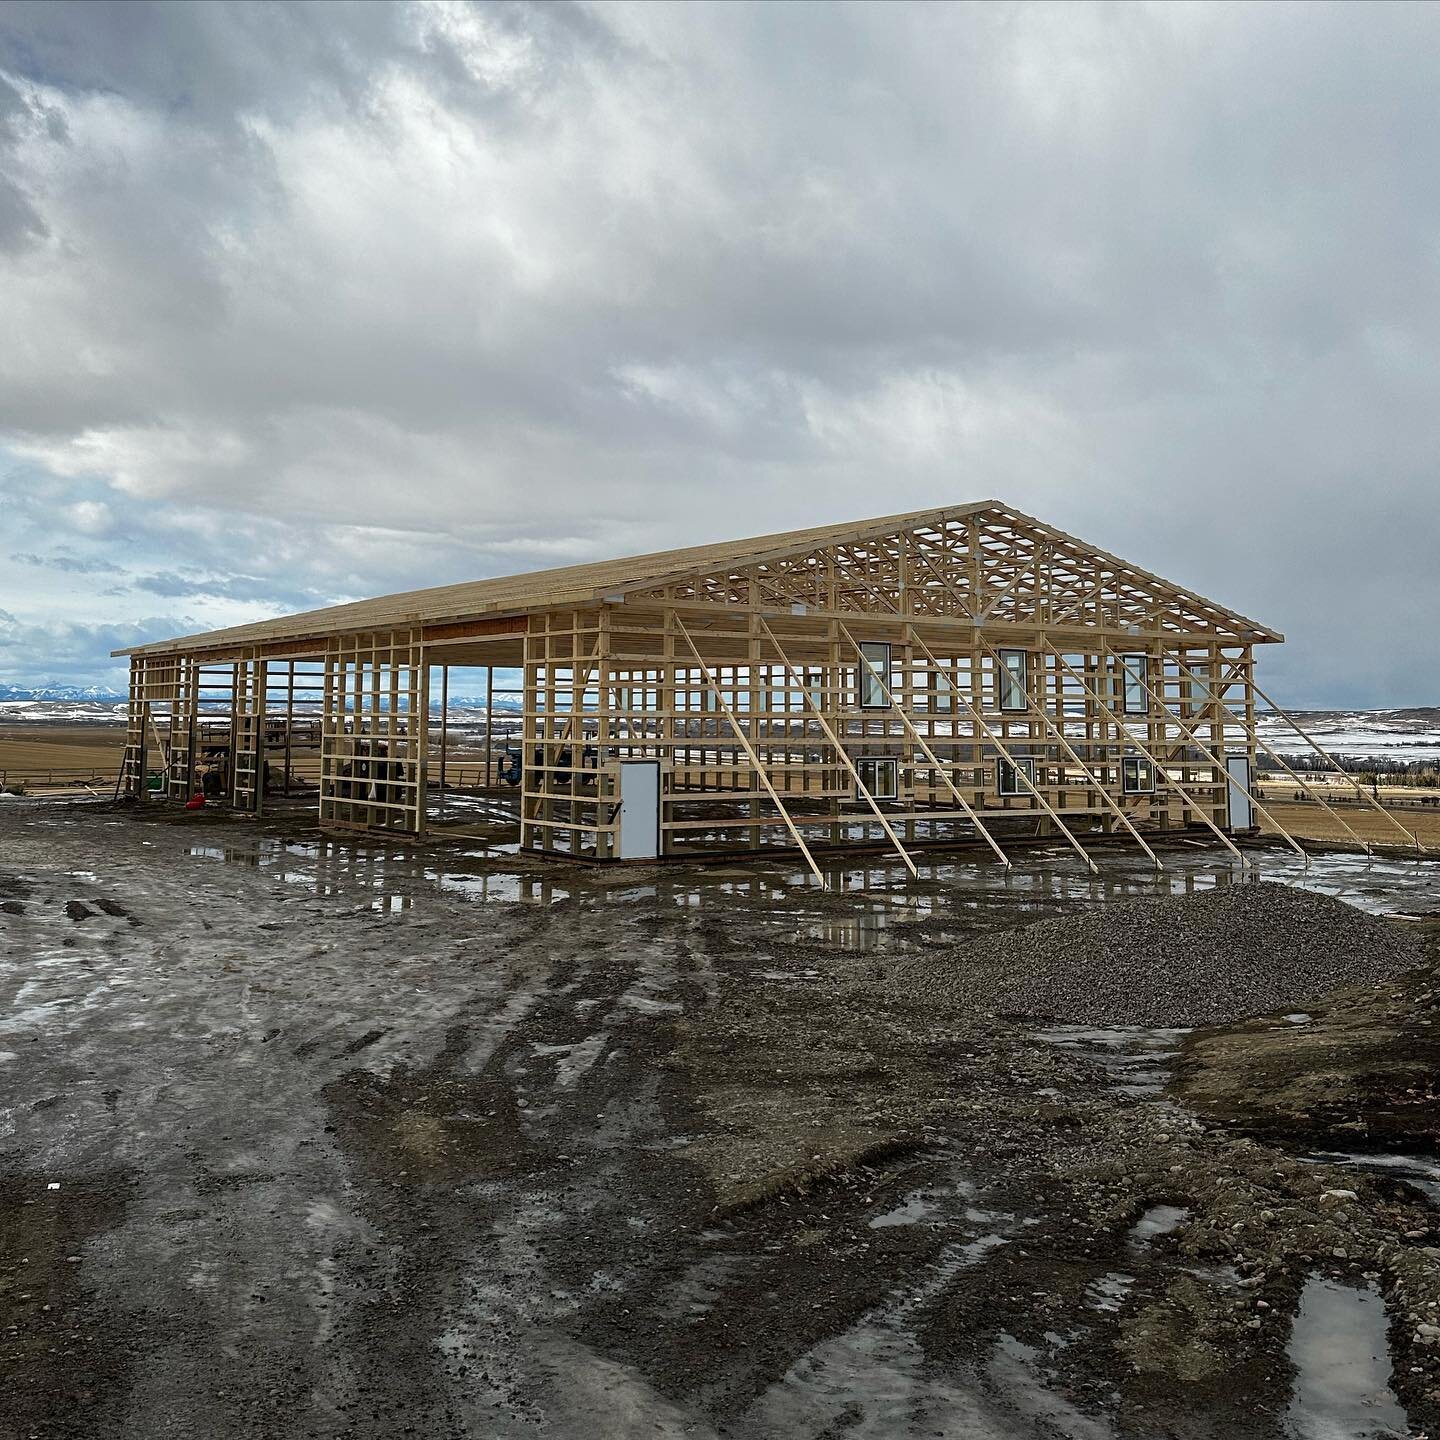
(1201, 959)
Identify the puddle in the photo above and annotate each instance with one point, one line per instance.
(1016, 1368)
(874, 905)
(914, 1208)
(1109, 1291)
(1156, 1221)
(1136, 1058)
(1342, 1366)
(1423, 1174)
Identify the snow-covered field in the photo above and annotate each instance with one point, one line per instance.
(1398, 734)
(1407, 735)
(61, 712)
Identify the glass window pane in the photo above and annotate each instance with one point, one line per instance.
(1012, 680)
(1137, 701)
(1011, 778)
(879, 776)
(1199, 685)
(874, 675)
(815, 688)
(1137, 775)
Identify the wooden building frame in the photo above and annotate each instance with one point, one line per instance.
(952, 676)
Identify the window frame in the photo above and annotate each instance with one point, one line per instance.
(1009, 680)
(1139, 765)
(876, 762)
(1197, 687)
(1024, 764)
(1139, 687)
(869, 675)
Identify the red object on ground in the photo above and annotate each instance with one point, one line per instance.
(195, 802)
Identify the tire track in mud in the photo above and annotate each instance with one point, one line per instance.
(500, 1182)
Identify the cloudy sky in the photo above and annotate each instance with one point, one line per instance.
(303, 303)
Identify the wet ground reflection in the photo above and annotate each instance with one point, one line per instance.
(869, 905)
(1342, 1366)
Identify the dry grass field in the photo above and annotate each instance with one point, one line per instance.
(1309, 821)
(31, 753)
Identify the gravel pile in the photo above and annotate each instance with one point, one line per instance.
(1201, 959)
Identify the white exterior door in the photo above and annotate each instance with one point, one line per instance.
(639, 809)
(1241, 811)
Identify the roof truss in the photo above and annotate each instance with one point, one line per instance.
(984, 564)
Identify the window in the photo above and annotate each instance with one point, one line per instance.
(1012, 680)
(1136, 679)
(942, 692)
(1137, 775)
(880, 775)
(1198, 685)
(874, 675)
(1010, 779)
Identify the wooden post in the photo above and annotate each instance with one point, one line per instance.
(289, 722)
(1274, 755)
(419, 685)
(1189, 734)
(999, 744)
(1110, 717)
(489, 723)
(839, 748)
(1059, 736)
(926, 750)
(444, 726)
(750, 752)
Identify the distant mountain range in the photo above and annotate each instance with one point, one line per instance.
(69, 693)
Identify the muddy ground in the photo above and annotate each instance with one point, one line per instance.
(309, 1138)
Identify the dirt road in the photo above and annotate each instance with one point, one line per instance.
(309, 1138)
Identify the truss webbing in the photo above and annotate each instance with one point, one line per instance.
(1170, 780)
(749, 749)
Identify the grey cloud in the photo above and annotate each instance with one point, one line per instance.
(230, 587)
(512, 285)
(68, 653)
(69, 564)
